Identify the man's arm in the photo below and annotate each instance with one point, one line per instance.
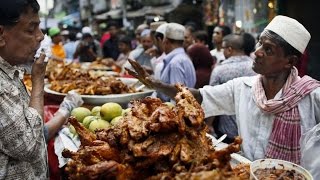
(167, 89)
(37, 93)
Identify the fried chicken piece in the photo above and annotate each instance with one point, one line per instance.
(188, 106)
(86, 136)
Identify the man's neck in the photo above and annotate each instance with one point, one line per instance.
(219, 46)
(273, 84)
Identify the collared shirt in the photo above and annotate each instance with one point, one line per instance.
(177, 68)
(158, 65)
(254, 126)
(23, 151)
(218, 54)
(233, 67)
(70, 48)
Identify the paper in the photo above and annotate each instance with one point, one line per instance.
(65, 140)
(45, 47)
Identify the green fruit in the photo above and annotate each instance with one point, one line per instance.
(80, 113)
(95, 111)
(110, 110)
(126, 111)
(87, 120)
(98, 124)
(116, 120)
(72, 129)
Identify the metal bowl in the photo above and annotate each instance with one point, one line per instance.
(278, 164)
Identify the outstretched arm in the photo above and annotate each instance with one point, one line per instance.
(168, 89)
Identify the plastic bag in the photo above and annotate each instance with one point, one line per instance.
(310, 147)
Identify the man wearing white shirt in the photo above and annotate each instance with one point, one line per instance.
(276, 109)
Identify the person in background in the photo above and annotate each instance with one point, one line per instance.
(236, 49)
(158, 42)
(139, 55)
(124, 45)
(178, 67)
(137, 42)
(202, 62)
(188, 37)
(154, 51)
(277, 111)
(218, 33)
(71, 46)
(110, 46)
(201, 37)
(88, 49)
(58, 51)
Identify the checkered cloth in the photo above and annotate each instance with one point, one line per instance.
(286, 132)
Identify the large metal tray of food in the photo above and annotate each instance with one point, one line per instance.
(118, 98)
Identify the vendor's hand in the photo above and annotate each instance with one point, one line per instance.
(140, 73)
(39, 68)
(71, 101)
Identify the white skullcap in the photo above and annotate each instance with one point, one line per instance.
(145, 32)
(291, 31)
(175, 31)
(162, 28)
(86, 30)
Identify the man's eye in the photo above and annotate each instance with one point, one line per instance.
(268, 51)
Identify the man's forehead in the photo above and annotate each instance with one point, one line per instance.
(267, 38)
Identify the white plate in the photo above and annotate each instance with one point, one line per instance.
(122, 99)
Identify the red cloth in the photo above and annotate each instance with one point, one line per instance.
(52, 157)
(106, 36)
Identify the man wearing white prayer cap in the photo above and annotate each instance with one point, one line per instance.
(177, 67)
(277, 112)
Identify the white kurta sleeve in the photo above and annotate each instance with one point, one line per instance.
(218, 100)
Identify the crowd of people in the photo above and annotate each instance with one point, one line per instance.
(246, 87)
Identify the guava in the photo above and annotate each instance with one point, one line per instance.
(80, 113)
(116, 120)
(98, 124)
(95, 111)
(110, 110)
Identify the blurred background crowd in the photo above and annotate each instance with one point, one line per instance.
(83, 30)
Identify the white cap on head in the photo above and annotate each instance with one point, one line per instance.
(175, 31)
(86, 29)
(145, 32)
(162, 28)
(291, 31)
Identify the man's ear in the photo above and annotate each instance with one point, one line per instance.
(293, 60)
(2, 41)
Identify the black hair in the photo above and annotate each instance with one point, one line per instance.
(225, 30)
(201, 35)
(11, 10)
(112, 23)
(72, 36)
(286, 47)
(125, 39)
(158, 35)
(249, 43)
(86, 35)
